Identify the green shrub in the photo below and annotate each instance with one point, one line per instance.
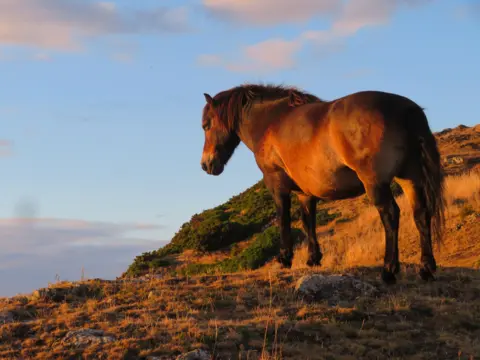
(237, 220)
(396, 189)
(466, 210)
(324, 217)
(262, 249)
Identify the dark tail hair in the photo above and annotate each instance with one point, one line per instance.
(432, 179)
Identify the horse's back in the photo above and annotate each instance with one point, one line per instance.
(370, 131)
(326, 146)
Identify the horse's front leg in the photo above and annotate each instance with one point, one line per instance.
(279, 186)
(283, 204)
(309, 213)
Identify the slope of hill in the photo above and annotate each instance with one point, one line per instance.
(231, 237)
(262, 314)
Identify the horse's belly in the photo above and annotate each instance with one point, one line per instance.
(341, 183)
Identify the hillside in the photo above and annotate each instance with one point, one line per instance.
(232, 236)
(214, 293)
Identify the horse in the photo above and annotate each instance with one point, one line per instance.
(333, 150)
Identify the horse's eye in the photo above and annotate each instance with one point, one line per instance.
(206, 126)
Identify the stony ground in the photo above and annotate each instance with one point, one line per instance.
(249, 316)
(264, 314)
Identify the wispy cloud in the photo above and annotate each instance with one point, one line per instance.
(209, 60)
(6, 148)
(269, 12)
(63, 25)
(347, 18)
(358, 73)
(35, 249)
(124, 57)
(42, 56)
(467, 10)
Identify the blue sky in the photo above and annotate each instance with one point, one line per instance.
(100, 107)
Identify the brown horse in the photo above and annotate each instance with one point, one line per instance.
(333, 150)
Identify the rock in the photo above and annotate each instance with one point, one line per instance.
(59, 294)
(86, 337)
(195, 355)
(472, 218)
(336, 289)
(6, 317)
(454, 159)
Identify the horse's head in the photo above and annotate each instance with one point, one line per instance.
(221, 139)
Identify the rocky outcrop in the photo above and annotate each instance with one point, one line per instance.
(86, 337)
(195, 355)
(335, 289)
(6, 317)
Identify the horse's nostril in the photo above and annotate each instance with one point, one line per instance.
(204, 166)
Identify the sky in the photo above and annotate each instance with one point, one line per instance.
(101, 102)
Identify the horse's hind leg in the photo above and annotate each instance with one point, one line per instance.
(309, 212)
(381, 196)
(423, 221)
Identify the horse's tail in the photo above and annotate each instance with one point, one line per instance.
(432, 176)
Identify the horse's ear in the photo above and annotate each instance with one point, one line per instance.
(208, 98)
(293, 99)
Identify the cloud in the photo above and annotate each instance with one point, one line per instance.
(358, 73)
(209, 60)
(62, 25)
(270, 55)
(35, 249)
(6, 148)
(42, 56)
(269, 12)
(123, 57)
(279, 54)
(468, 10)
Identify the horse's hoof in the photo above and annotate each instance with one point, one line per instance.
(313, 262)
(426, 274)
(314, 258)
(388, 277)
(396, 268)
(285, 262)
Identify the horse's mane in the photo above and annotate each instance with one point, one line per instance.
(232, 102)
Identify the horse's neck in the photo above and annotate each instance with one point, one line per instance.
(255, 121)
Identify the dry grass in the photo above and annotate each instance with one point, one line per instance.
(255, 314)
(359, 240)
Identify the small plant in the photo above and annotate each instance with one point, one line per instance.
(262, 249)
(466, 210)
(323, 217)
(396, 189)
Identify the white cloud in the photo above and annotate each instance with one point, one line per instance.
(279, 54)
(362, 13)
(42, 56)
(62, 25)
(270, 55)
(269, 12)
(469, 10)
(35, 249)
(209, 60)
(6, 148)
(123, 57)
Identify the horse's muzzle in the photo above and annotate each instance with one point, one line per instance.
(212, 167)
